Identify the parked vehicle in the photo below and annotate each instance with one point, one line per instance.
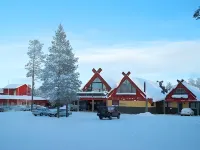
(108, 112)
(21, 108)
(73, 107)
(6, 108)
(38, 107)
(41, 112)
(62, 113)
(2, 110)
(187, 112)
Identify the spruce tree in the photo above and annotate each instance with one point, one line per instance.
(60, 77)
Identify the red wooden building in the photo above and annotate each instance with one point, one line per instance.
(94, 92)
(133, 94)
(183, 95)
(19, 94)
(17, 89)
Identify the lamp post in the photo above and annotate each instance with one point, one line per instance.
(146, 107)
(57, 101)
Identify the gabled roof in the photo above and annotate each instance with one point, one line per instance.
(153, 91)
(12, 86)
(191, 88)
(109, 83)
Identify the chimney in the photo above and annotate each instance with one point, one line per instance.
(144, 87)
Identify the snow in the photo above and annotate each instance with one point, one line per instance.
(1, 90)
(152, 89)
(84, 131)
(23, 97)
(180, 96)
(125, 93)
(12, 86)
(193, 89)
(146, 114)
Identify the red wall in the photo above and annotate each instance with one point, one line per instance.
(22, 90)
(180, 85)
(138, 95)
(8, 92)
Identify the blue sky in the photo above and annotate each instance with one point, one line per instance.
(155, 39)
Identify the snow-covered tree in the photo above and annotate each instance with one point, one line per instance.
(60, 77)
(191, 82)
(36, 58)
(198, 83)
(169, 86)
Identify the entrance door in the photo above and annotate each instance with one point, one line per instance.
(180, 107)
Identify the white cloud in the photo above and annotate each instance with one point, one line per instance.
(153, 60)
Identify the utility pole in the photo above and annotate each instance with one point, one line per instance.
(33, 76)
(163, 106)
(146, 108)
(78, 103)
(57, 102)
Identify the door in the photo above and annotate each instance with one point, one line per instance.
(180, 107)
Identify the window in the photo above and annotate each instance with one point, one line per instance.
(97, 86)
(192, 105)
(126, 87)
(115, 102)
(180, 91)
(89, 88)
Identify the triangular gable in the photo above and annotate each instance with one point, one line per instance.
(181, 83)
(126, 77)
(96, 75)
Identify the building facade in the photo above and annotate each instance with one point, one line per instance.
(17, 89)
(94, 92)
(132, 95)
(183, 95)
(16, 94)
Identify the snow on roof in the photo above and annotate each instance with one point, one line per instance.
(12, 86)
(152, 89)
(21, 97)
(111, 82)
(193, 89)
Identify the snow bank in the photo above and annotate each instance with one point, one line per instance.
(145, 114)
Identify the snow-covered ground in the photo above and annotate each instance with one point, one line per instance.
(84, 131)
